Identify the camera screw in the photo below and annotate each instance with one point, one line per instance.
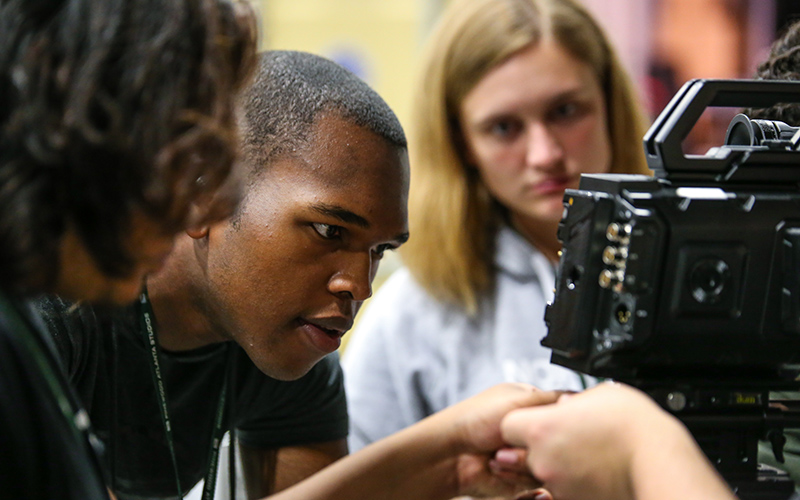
(676, 401)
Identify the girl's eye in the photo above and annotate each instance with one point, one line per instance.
(566, 111)
(327, 231)
(503, 129)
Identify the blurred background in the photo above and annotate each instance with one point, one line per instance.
(663, 43)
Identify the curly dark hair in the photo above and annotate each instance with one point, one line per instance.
(109, 108)
(783, 63)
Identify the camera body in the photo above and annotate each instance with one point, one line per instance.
(693, 274)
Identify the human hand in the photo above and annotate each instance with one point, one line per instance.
(474, 425)
(611, 443)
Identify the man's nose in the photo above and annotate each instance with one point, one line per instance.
(354, 278)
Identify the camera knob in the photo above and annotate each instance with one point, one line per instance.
(618, 232)
(609, 278)
(615, 256)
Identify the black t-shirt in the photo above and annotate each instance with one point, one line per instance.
(42, 455)
(107, 360)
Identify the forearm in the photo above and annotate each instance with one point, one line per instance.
(419, 461)
(673, 465)
(269, 470)
(442, 456)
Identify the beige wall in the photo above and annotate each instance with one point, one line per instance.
(377, 39)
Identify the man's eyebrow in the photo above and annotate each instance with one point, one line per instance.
(342, 214)
(349, 217)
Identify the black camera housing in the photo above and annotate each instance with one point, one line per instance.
(687, 284)
(693, 274)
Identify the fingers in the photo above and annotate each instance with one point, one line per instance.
(512, 459)
(537, 494)
(517, 426)
(538, 397)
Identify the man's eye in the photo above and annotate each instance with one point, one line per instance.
(382, 249)
(327, 231)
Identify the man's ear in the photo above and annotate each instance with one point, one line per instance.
(198, 222)
(197, 232)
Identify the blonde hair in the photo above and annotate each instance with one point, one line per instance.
(452, 217)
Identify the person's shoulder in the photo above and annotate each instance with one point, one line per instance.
(64, 318)
(53, 306)
(77, 329)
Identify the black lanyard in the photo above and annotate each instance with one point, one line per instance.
(151, 340)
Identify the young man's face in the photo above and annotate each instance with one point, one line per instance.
(286, 279)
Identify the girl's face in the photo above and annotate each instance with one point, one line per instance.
(532, 126)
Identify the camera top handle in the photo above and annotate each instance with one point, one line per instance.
(760, 165)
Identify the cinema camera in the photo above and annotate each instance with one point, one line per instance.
(687, 284)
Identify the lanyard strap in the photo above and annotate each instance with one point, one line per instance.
(147, 321)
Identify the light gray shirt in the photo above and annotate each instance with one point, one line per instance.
(412, 355)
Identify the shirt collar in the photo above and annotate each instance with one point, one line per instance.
(516, 257)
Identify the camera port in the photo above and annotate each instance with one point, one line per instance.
(622, 314)
(707, 280)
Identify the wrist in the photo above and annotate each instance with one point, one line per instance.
(670, 459)
(438, 443)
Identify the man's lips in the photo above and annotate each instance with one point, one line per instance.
(325, 333)
(335, 326)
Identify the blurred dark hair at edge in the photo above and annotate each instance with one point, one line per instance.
(111, 108)
(783, 63)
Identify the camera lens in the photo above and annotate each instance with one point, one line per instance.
(707, 280)
(742, 131)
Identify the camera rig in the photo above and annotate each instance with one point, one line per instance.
(687, 284)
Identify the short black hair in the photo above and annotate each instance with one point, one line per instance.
(110, 108)
(292, 89)
(783, 63)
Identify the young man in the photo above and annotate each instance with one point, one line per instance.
(326, 178)
(110, 113)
